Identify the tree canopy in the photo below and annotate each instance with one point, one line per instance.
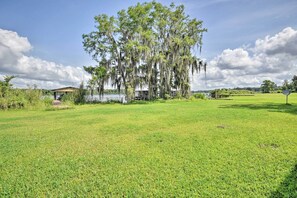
(5, 85)
(294, 83)
(268, 86)
(148, 45)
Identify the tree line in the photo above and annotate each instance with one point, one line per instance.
(269, 86)
(148, 46)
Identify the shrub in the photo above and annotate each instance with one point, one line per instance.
(33, 95)
(77, 97)
(199, 96)
(11, 98)
(224, 93)
(47, 100)
(14, 99)
(178, 95)
(167, 97)
(80, 94)
(191, 98)
(69, 97)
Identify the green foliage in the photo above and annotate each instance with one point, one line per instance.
(208, 148)
(47, 100)
(11, 103)
(21, 98)
(268, 86)
(191, 98)
(147, 44)
(5, 86)
(33, 95)
(14, 98)
(69, 97)
(286, 85)
(294, 83)
(77, 97)
(225, 93)
(199, 96)
(177, 95)
(167, 97)
(80, 95)
(217, 93)
(290, 86)
(24, 98)
(129, 94)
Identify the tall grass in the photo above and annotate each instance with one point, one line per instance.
(30, 98)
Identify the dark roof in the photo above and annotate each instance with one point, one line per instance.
(66, 89)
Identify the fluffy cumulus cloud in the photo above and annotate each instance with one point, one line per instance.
(282, 43)
(31, 70)
(273, 58)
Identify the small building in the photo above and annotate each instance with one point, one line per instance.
(58, 93)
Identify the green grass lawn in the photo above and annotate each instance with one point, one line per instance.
(242, 147)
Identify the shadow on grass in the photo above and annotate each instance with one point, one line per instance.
(271, 107)
(288, 188)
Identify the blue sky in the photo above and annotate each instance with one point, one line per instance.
(54, 31)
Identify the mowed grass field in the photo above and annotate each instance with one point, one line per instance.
(242, 147)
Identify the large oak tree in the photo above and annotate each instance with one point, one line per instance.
(146, 45)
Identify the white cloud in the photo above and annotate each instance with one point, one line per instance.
(235, 59)
(273, 58)
(32, 70)
(282, 43)
(14, 42)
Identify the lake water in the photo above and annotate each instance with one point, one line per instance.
(106, 97)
